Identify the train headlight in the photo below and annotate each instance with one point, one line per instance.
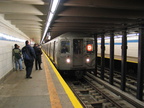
(68, 60)
(87, 60)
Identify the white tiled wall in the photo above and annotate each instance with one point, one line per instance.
(6, 62)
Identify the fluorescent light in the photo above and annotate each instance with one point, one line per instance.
(46, 28)
(51, 14)
(50, 17)
(54, 5)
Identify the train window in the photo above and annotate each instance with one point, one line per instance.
(89, 47)
(78, 45)
(65, 46)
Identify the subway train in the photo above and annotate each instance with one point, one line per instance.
(132, 52)
(71, 53)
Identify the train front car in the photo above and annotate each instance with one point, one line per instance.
(76, 54)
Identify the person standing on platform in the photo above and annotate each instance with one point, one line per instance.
(17, 57)
(28, 56)
(38, 53)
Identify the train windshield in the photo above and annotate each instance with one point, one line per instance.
(65, 46)
(78, 46)
(89, 46)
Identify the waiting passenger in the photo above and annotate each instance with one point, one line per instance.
(38, 53)
(28, 56)
(17, 57)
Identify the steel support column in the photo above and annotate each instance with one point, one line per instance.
(111, 57)
(124, 59)
(95, 41)
(102, 56)
(140, 75)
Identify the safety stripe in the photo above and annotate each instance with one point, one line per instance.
(54, 99)
(70, 94)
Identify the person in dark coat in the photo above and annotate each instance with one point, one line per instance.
(38, 53)
(28, 63)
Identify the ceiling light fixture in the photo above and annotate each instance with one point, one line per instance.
(52, 11)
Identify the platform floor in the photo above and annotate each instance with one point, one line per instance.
(44, 90)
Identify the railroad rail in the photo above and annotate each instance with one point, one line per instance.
(125, 95)
(93, 95)
(131, 85)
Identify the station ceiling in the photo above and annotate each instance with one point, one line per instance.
(89, 16)
(29, 16)
(97, 16)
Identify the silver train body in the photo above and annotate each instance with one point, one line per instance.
(71, 51)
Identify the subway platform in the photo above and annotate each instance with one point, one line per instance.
(46, 89)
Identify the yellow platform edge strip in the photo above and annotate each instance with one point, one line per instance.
(70, 94)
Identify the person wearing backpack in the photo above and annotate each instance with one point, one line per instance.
(17, 57)
(28, 56)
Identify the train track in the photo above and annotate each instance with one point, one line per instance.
(125, 95)
(131, 83)
(93, 95)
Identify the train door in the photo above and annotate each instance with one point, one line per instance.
(50, 49)
(77, 52)
(54, 51)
